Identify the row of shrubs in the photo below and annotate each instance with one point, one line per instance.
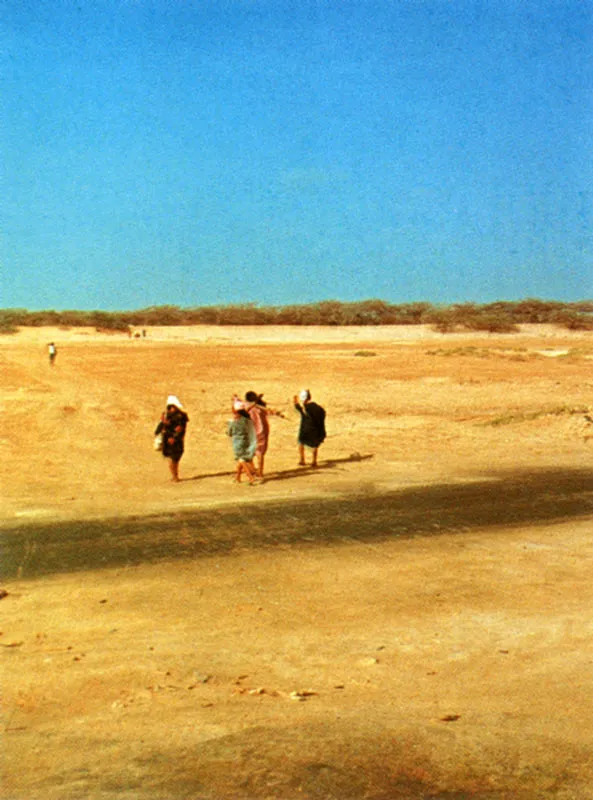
(499, 317)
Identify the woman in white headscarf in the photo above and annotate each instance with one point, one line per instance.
(172, 427)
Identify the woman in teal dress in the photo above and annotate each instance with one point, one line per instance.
(240, 429)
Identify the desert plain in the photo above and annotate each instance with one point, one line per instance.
(411, 620)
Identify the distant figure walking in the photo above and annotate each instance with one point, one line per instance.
(240, 429)
(312, 427)
(53, 352)
(172, 427)
(258, 411)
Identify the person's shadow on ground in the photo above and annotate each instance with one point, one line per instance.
(307, 469)
(209, 475)
(288, 474)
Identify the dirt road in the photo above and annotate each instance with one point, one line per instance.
(411, 620)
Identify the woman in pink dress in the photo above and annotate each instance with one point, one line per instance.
(258, 412)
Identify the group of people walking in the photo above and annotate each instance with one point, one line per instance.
(249, 431)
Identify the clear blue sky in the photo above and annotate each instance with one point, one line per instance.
(199, 152)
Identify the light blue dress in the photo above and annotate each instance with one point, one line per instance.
(242, 433)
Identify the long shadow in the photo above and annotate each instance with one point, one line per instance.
(354, 458)
(287, 473)
(501, 500)
(301, 471)
(208, 475)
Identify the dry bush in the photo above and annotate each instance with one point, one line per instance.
(443, 320)
(574, 320)
(490, 322)
(499, 317)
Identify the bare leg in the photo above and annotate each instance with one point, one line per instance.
(314, 461)
(238, 472)
(260, 465)
(174, 468)
(249, 469)
(301, 455)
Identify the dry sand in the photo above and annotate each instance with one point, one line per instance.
(411, 620)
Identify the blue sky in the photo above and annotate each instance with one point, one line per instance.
(200, 152)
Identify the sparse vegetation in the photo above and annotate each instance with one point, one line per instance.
(499, 317)
(471, 351)
(8, 320)
(522, 416)
(574, 320)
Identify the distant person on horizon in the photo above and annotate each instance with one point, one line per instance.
(242, 432)
(312, 428)
(172, 426)
(53, 352)
(258, 411)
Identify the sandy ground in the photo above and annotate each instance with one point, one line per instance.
(411, 620)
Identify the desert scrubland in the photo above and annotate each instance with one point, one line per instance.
(411, 620)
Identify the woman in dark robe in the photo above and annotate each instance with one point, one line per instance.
(312, 427)
(172, 427)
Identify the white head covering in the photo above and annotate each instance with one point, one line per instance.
(173, 400)
(238, 405)
(305, 395)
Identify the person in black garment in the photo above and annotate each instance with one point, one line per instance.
(312, 426)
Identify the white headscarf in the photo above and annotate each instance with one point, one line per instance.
(305, 395)
(173, 400)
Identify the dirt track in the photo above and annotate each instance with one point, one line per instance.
(427, 591)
